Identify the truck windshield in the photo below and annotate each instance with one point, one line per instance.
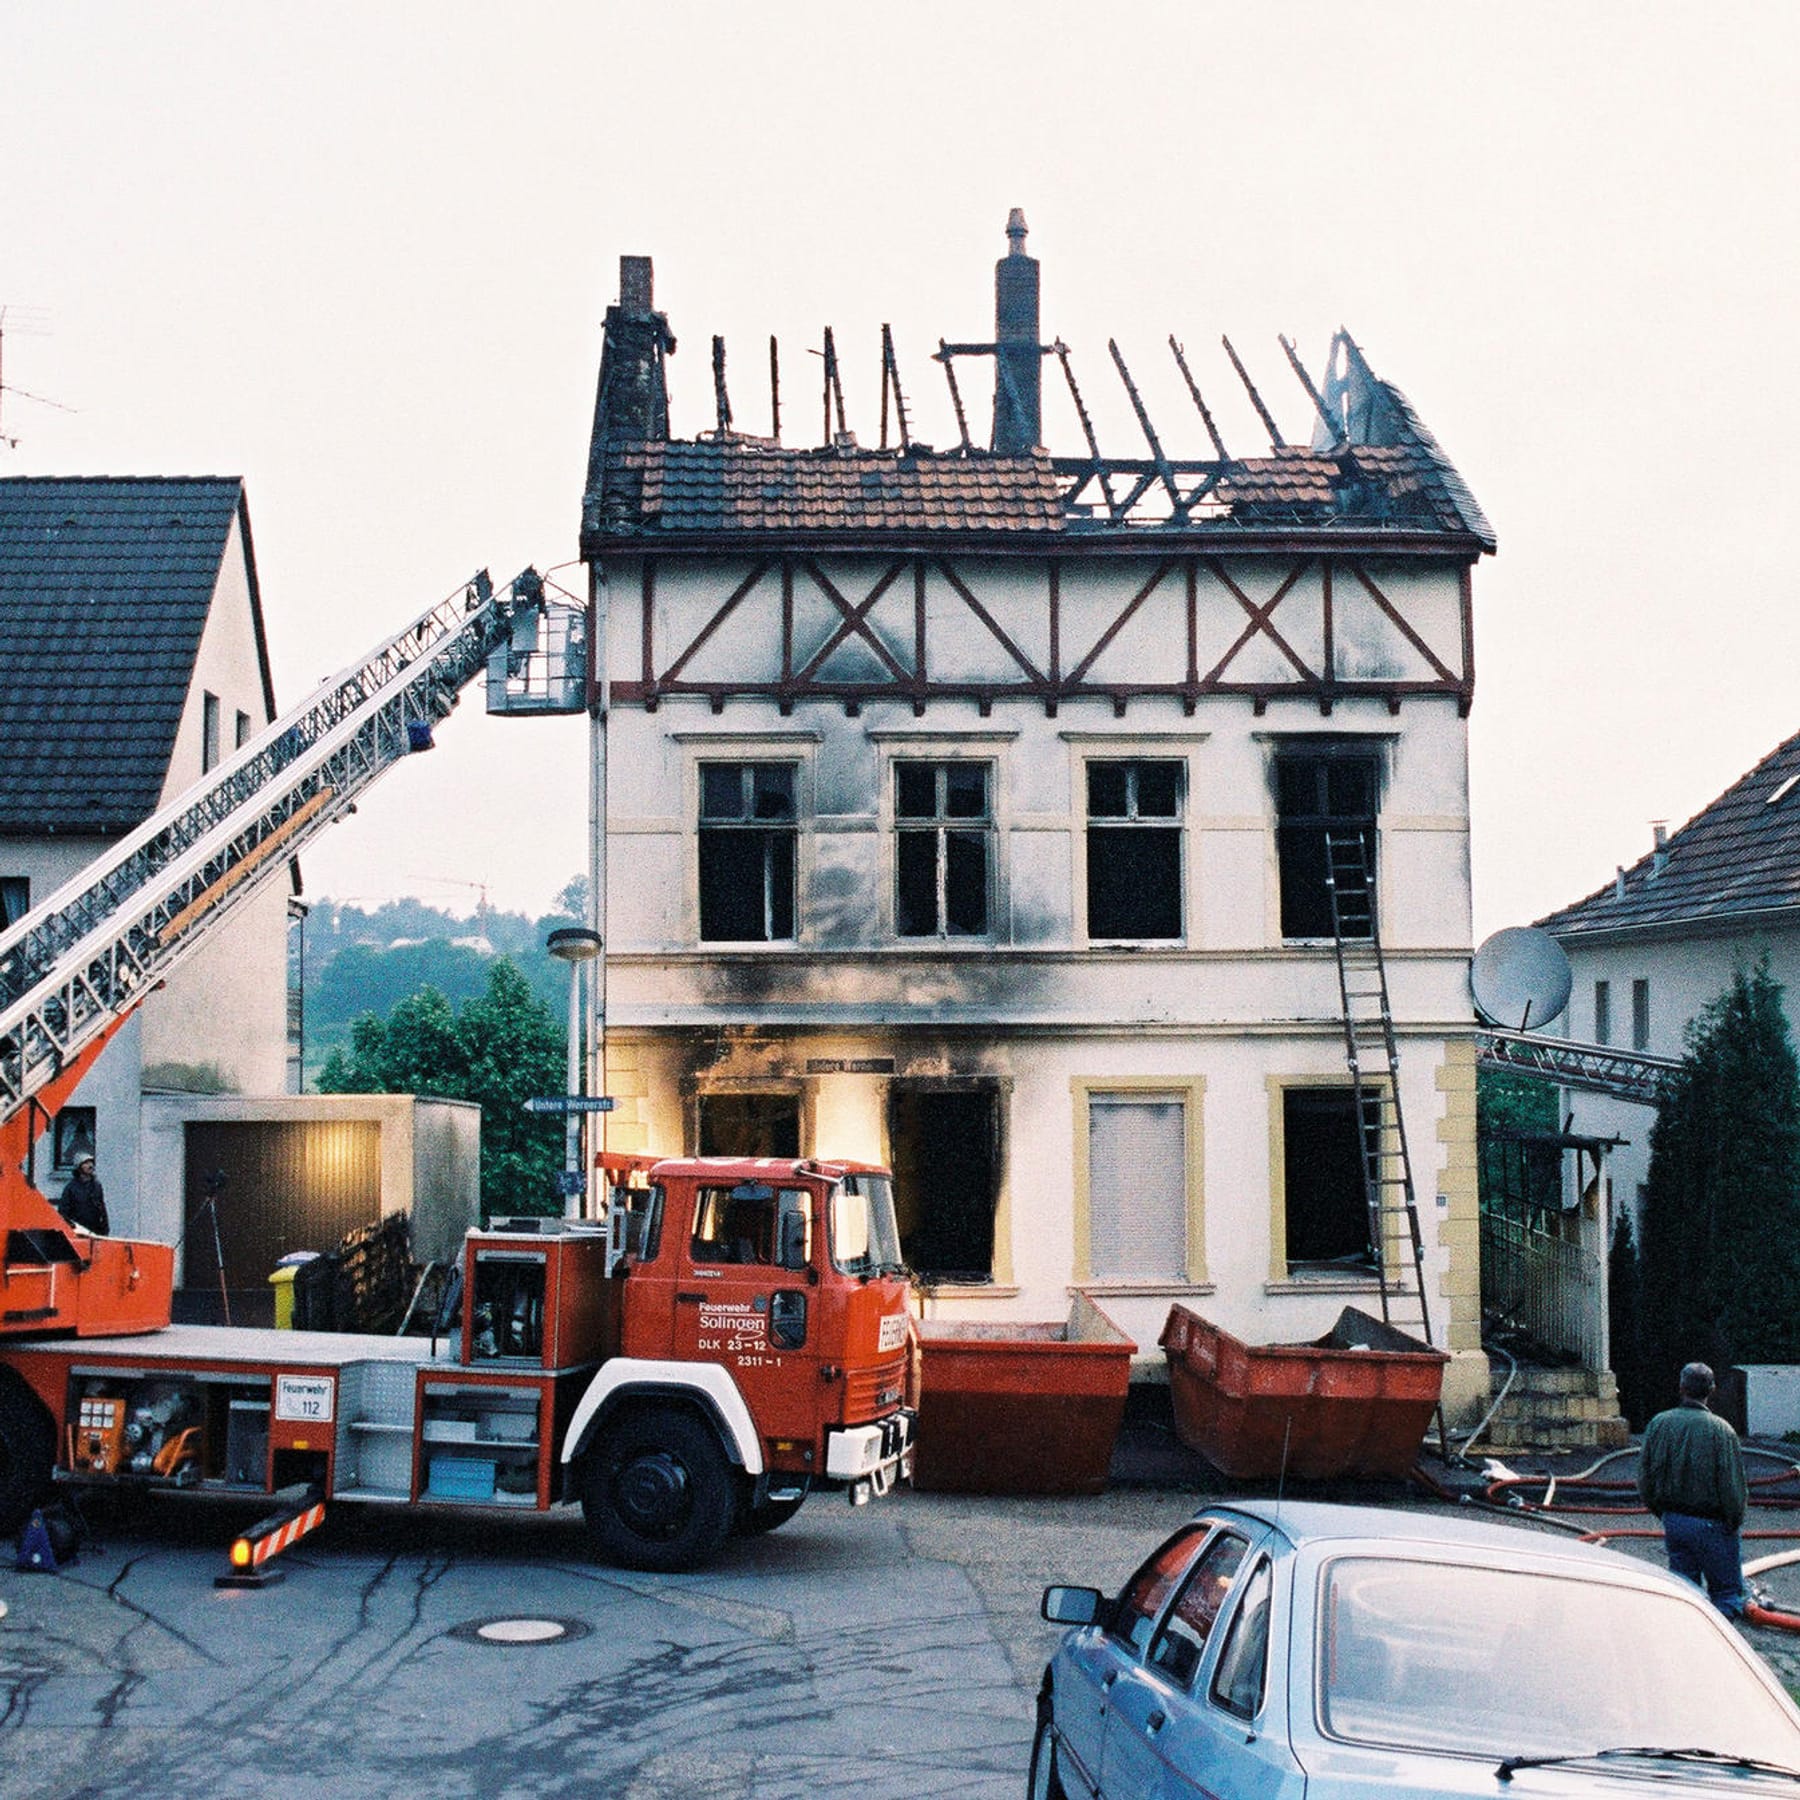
(865, 1240)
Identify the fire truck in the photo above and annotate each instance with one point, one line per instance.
(729, 1335)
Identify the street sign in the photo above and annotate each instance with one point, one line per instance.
(570, 1103)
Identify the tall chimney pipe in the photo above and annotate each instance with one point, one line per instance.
(1018, 412)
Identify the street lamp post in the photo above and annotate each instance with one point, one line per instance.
(576, 946)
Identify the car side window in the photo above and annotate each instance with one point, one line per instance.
(1179, 1644)
(1242, 1675)
(1142, 1597)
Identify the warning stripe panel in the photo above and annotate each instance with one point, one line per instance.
(284, 1535)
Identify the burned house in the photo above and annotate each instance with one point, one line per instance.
(970, 809)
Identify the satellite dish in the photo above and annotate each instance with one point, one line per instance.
(1520, 978)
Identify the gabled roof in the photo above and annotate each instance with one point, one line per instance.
(1737, 858)
(105, 586)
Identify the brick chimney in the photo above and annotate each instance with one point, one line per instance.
(1018, 413)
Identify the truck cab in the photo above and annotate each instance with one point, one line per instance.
(763, 1351)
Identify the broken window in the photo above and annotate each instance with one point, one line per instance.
(946, 1179)
(1323, 797)
(1137, 1187)
(749, 1125)
(943, 826)
(1326, 1202)
(747, 846)
(1134, 849)
(15, 898)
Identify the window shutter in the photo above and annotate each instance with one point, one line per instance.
(1137, 1187)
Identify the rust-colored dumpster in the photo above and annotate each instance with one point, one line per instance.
(1357, 1401)
(1010, 1408)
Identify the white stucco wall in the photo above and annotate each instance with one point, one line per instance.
(1033, 1006)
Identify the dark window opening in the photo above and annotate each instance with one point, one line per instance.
(1321, 795)
(1134, 850)
(243, 730)
(749, 1125)
(941, 854)
(1326, 1203)
(747, 847)
(1602, 1012)
(76, 1135)
(15, 898)
(1640, 1015)
(209, 732)
(946, 1179)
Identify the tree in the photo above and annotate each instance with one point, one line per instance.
(499, 1050)
(1721, 1218)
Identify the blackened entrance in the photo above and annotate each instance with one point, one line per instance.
(749, 1125)
(946, 1164)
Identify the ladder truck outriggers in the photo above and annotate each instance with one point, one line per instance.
(731, 1335)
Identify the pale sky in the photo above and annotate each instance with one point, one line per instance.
(359, 254)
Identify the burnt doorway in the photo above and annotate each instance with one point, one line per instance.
(749, 1125)
(946, 1178)
(1327, 1206)
(281, 1186)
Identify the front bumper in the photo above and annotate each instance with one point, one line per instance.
(871, 1458)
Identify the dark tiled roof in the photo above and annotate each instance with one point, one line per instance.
(750, 486)
(105, 585)
(1736, 857)
(1393, 482)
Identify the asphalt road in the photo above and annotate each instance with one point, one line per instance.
(888, 1651)
(893, 1651)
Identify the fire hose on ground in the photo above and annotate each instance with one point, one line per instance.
(1503, 1493)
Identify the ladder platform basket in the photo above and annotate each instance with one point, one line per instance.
(1356, 1402)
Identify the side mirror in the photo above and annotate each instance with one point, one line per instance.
(792, 1253)
(1071, 1605)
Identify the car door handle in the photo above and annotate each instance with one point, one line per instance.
(689, 1299)
(1155, 1723)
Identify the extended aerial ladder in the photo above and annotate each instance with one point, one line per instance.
(74, 968)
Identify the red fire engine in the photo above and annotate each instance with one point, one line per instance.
(731, 1335)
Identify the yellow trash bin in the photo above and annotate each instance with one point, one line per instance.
(282, 1281)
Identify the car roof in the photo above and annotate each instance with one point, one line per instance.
(1328, 1525)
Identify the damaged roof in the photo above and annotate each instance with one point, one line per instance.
(1734, 860)
(105, 587)
(1372, 469)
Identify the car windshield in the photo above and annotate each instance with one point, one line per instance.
(1504, 1662)
(865, 1239)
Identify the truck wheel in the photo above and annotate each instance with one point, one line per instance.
(753, 1521)
(27, 1451)
(657, 1492)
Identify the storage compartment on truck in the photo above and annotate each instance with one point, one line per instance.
(1021, 1408)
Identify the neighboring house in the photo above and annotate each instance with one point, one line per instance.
(132, 660)
(1660, 941)
(967, 811)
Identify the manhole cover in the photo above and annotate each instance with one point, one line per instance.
(507, 1632)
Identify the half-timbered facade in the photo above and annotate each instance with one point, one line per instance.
(967, 810)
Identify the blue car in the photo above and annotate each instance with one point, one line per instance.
(1270, 1650)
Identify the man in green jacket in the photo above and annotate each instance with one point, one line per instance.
(1691, 1475)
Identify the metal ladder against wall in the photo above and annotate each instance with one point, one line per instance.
(92, 949)
(1374, 1060)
